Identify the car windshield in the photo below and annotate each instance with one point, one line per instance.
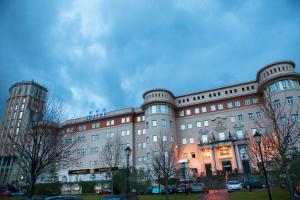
(233, 182)
(195, 184)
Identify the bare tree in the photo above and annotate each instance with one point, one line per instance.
(40, 146)
(111, 155)
(112, 152)
(164, 159)
(280, 129)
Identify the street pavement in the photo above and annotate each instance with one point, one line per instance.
(216, 195)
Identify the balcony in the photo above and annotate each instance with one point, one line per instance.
(228, 140)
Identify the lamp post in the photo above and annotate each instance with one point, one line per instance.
(257, 137)
(247, 173)
(127, 153)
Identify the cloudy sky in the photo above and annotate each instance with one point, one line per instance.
(105, 54)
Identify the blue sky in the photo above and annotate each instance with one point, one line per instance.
(105, 54)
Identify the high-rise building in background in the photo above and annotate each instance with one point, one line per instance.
(25, 102)
(210, 128)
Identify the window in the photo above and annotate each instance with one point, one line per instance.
(205, 123)
(222, 136)
(193, 154)
(185, 155)
(144, 131)
(247, 102)
(181, 113)
(138, 119)
(239, 134)
(163, 122)
(237, 104)
(139, 145)
(277, 103)
(127, 119)
(182, 126)
(188, 112)
(110, 122)
(189, 126)
(220, 106)
(123, 132)
(95, 137)
(250, 116)
(143, 118)
(154, 138)
(290, 100)
(154, 123)
(240, 117)
(96, 125)
(229, 104)
(204, 139)
(295, 118)
(192, 141)
(123, 120)
(203, 109)
(283, 120)
(82, 128)
(153, 109)
(255, 100)
(197, 111)
(139, 131)
(212, 107)
(224, 152)
(198, 124)
(165, 138)
(232, 119)
(183, 140)
(163, 109)
(258, 115)
(127, 132)
(253, 131)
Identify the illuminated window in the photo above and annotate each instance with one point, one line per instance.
(224, 152)
(197, 110)
(188, 112)
(203, 109)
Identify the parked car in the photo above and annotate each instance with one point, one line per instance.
(171, 189)
(196, 187)
(203, 187)
(104, 191)
(181, 188)
(253, 183)
(4, 193)
(120, 197)
(17, 193)
(63, 198)
(158, 190)
(233, 185)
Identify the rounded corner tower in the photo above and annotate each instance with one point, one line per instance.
(278, 80)
(159, 111)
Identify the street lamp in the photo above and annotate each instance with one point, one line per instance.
(257, 137)
(247, 173)
(127, 153)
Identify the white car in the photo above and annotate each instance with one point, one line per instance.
(233, 186)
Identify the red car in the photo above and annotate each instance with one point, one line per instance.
(104, 191)
(4, 193)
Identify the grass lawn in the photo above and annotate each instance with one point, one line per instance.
(141, 197)
(261, 194)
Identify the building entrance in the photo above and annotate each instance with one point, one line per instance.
(208, 169)
(226, 166)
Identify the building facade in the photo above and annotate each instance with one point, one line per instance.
(25, 103)
(210, 128)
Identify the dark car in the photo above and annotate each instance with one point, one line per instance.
(203, 187)
(253, 183)
(120, 197)
(181, 188)
(196, 187)
(63, 198)
(4, 193)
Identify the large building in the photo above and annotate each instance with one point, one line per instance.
(25, 102)
(210, 128)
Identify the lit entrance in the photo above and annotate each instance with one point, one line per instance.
(226, 166)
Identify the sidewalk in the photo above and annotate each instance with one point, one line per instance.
(216, 195)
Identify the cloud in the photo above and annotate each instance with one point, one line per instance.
(107, 53)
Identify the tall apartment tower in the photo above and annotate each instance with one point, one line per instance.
(26, 101)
